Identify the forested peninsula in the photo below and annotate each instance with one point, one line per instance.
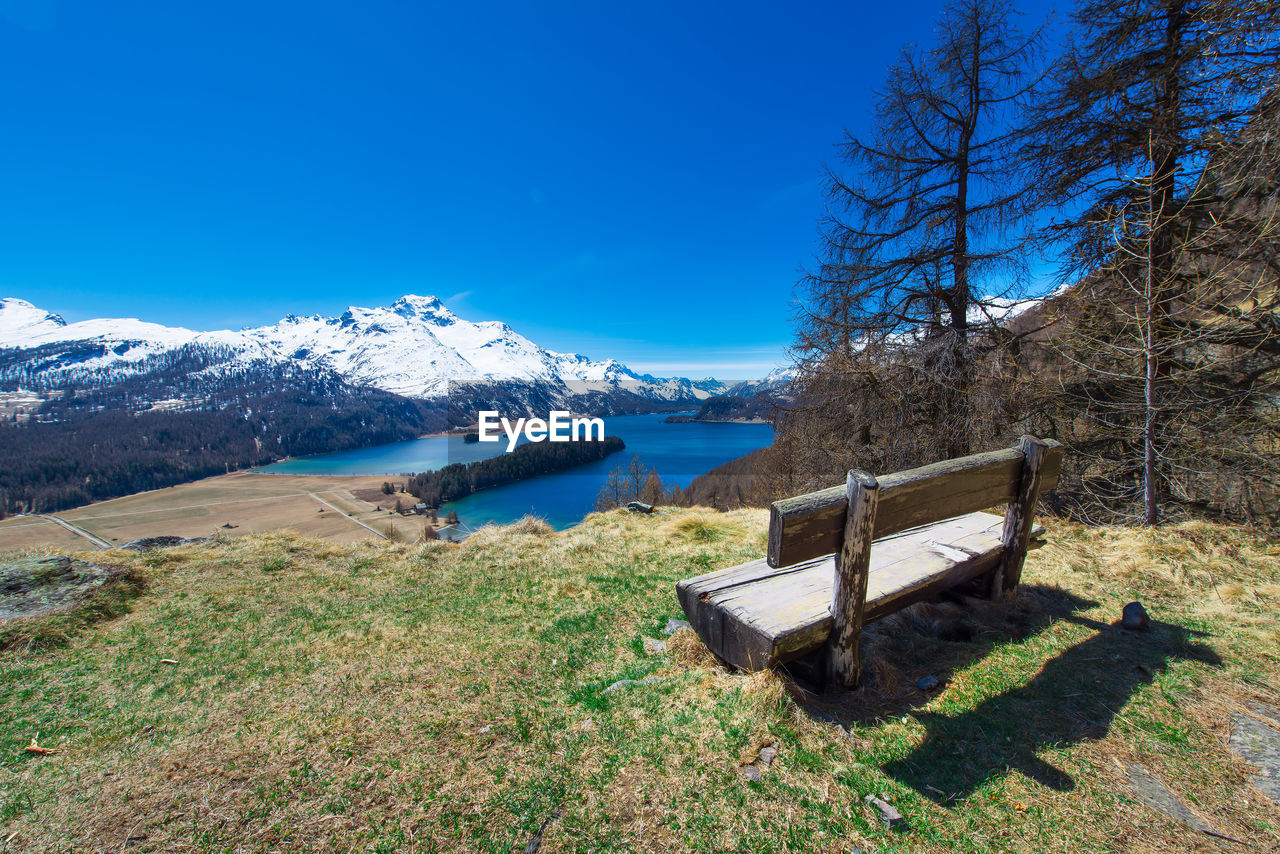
(459, 480)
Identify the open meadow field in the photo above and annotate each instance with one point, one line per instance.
(342, 509)
(518, 692)
(29, 532)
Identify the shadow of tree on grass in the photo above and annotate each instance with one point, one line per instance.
(1073, 698)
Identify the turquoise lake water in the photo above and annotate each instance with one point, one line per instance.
(680, 452)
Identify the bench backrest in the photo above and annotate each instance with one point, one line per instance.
(813, 525)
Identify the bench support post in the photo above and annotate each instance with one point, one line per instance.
(1018, 518)
(853, 565)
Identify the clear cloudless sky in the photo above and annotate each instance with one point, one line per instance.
(630, 180)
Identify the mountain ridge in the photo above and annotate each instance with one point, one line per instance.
(416, 347)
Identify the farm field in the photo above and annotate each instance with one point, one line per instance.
(330, 508)
(25, 532)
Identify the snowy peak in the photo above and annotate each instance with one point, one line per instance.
(776, 382)
(24, 325)
(414, 347)
(20, 320)
(577, 366)
(778, 377)
(14, 310)
(423, 308)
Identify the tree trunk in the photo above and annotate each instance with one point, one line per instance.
(1164, 155)
(956, 417)
(1150, 484)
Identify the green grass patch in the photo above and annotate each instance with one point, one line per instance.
(434, 697)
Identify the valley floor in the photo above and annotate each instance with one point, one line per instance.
(282, 693)
(342, 509)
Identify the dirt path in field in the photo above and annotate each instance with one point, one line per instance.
(348, 515)
(96, 540)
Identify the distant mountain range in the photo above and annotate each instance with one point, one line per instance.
(775, 382)
(106, 407)
(414, 348)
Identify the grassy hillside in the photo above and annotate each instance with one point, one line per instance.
(382, 697)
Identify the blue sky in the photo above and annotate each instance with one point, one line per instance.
(641, 181)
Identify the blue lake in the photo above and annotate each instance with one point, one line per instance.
(680, 452)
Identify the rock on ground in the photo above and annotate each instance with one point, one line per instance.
(1152, 791)
(1258, 743)
(674, 625)
(148, 543)
(891, 818)
(1134, 617)
(627, 683)
(654, 647)
(755, 770)
(39, 585)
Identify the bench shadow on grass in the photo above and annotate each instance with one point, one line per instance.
(1073, 697)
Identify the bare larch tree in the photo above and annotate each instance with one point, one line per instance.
(920, 243)
(1149, 95)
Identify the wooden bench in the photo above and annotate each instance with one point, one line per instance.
(848, 555)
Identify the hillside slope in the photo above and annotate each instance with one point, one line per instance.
(283, 694)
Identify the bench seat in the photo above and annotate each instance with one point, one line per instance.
(755, 616)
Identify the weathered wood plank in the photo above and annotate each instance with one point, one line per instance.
(849, 597)
(1051, 468)
(709, 621)
(760, 616)
(812, 525)
(1020, 515)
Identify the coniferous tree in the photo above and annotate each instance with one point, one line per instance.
(632, 482)
(1136, 144)
(920, 234)
(653, 492)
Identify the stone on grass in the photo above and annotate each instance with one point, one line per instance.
(1134, 617)
(928, 683)
(1152, 791)
(891, 817)
(755, 770)
(536, 842)
(654, 647)
(1259, 744)
(1262, 710)
(674, 625)
(627, 683)
(41, 585)
(165, 542)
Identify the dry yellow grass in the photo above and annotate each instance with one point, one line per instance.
(29, 532)
(439, 697)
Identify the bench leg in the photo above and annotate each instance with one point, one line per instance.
(853, 564)
(1019, 517)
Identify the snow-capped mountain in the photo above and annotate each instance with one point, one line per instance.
(21, 323)
(123, 341)
(415, 347)
(40, 350)
(775, 381)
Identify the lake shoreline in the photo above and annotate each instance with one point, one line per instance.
(678, 454)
